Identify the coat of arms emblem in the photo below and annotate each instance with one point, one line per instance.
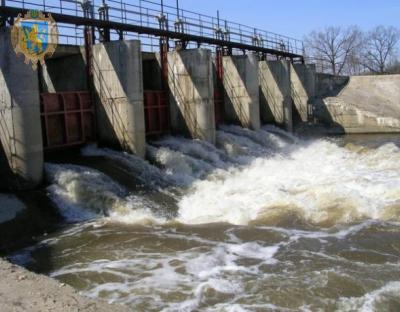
(35, 35)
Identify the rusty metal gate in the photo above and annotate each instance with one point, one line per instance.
(219, 88)
(156, 107)
(156, 112)
(67, 119)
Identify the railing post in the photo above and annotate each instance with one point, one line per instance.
(3, 18)
(103, 15)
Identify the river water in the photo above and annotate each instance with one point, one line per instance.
(265, 221)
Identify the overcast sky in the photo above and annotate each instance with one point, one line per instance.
(297, 18)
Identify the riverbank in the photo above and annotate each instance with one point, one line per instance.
(21, 290)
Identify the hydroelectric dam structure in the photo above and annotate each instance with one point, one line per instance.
(127, 72)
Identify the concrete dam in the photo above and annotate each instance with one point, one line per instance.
(124, 96)
(162, 160)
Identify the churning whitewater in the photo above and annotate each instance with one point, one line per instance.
(251, 177)
(262, 221)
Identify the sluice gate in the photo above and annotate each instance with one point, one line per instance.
(156, 111)
(67, 119)
(205, 74)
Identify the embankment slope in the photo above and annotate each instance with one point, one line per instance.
(21, 291)
(367, 104)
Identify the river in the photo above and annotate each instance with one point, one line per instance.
(264, 221)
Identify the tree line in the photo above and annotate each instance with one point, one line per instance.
(350, 51)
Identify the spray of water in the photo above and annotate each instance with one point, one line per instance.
(259, 177)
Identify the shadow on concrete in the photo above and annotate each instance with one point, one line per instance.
(152, 72)
(8, 179)
(185, 114)
(18, 95)
(234, 80)
(111, 123)
(268, 102)
(301, 97)
(267, 113)
(64, 74)
(326, 85)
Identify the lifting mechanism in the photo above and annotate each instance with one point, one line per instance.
(156, 106)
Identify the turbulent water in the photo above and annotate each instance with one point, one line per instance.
(263, 221)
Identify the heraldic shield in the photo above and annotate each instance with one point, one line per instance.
(35, 35)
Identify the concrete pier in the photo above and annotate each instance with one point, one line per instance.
(20, 126)
(275, 93)
(118, 86)
(242, 105)
(190, 80)
(302, 77)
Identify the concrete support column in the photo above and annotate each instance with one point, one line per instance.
(242, 105)
(190, 80)
(118, 86)
(303, 89)
(20, 125)
(275, 93)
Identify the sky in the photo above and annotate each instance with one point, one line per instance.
(298, 18)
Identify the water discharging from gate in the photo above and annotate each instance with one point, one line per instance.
(265, 221)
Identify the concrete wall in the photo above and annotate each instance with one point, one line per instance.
(20, 125)
(65, 71)
(329, 85)
(242, 105)
(275, 93)
(303, 90)
(367, 104)
(190, 80)
(118, 84)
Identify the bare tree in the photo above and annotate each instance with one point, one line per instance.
(335, 45)
(380, 48)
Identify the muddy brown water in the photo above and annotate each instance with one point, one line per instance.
(284, 224)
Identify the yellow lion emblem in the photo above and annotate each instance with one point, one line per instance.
(35, 36)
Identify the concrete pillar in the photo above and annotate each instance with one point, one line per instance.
(275, 93)
(303, 89)
(190, 80)
(118, 86)
(20, 125)
(242, 105)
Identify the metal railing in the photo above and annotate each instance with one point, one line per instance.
(155, 14)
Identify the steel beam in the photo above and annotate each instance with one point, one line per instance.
(85, 21)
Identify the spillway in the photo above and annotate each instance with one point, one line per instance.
(262, 221)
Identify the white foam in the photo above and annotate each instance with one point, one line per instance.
(318, 181)
(183, 169)
(143, 170)
(82, 193)
(197, 149)
(372, 301)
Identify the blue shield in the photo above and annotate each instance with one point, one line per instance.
(35, 35)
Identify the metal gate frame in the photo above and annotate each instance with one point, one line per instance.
(156, 111)
(219, 88)
(68, 119)
(156, 102)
